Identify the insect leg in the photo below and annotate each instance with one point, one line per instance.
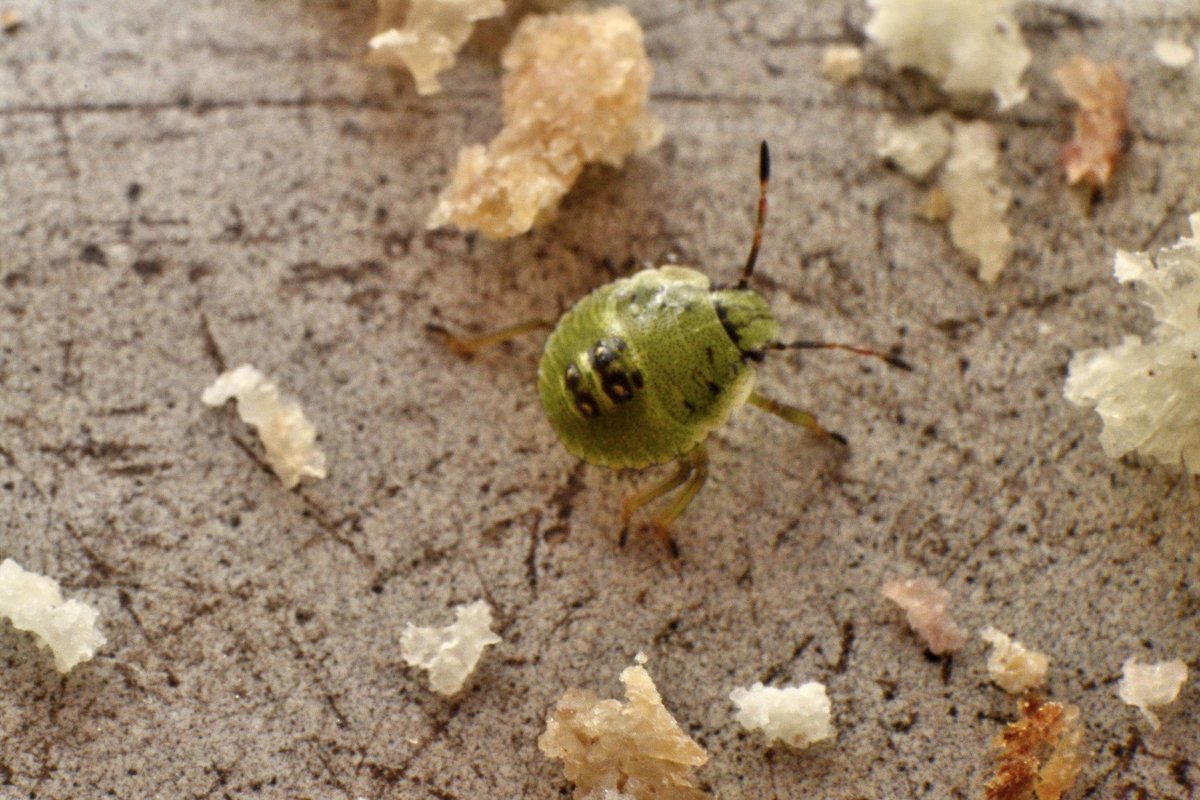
(698, 468)
(796, 416)
(469, 346)
(651, 493)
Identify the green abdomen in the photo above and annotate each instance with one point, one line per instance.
(641, 370)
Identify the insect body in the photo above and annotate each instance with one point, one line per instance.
(641, 370)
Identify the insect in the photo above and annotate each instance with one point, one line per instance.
(640, 371)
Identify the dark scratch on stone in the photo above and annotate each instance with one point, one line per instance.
(775, 670)
(847, 643)
(211, 348)
(563, 500)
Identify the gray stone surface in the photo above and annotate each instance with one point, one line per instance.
(187, 186)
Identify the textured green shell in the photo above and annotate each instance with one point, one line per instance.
(641, 370)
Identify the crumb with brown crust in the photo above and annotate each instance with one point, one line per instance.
(1101, 122)
(1041, 753)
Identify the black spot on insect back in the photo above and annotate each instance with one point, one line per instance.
(604, 357)
(723, 316)
(616, 385)
(572, 377)
(585, 403)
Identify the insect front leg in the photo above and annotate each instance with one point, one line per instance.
(796, 416)
(469, 346)
(698, 474)
(691, 473)
(637, 500)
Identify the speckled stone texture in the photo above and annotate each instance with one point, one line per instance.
(190, 186)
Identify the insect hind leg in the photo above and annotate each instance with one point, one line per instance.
(469, 346)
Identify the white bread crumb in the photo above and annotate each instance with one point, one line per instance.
(1150, 685)
(288, 438)
(451, 653)
(34, 603)
(795, 715)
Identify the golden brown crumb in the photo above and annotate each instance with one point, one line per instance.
(1101, 122)
(935, 206)
(1042, 752)
(635, 747)
(574, 92)
(432, 34)
(979, 199)
(842, 63)
(10, 20)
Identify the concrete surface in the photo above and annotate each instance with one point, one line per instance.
(193, 185)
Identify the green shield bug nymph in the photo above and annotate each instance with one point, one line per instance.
(642, 369)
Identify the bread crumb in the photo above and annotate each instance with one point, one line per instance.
(1148, 393)
(935, 206)
(433, 32)
(288, 438)
(11, 20)
(575, 92)
(978, 200)
(917, 148)
(635, 748)
(1100, 123)
(451, 653)
(1011, 666)
(795, 715)
(925, 605)
(968, 46)
(34, 603)
(1150, 685)
(1174, 54)
(607, 794)
(842, 63)
(1041, 754)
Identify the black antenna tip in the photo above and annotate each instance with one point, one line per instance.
(764, 162)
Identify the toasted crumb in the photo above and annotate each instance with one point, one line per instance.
(978, 199)
(1041, 753)
(935, 206)
(1148, 392)
(432, 33)
(1100, 123)
(1174, 54)
(635, 748)
(842, 63)
(451, 653)
(924, 604)
(1150, 685)
(10, 20)
(917, 148)
(608, 794)
(574, 93)
(795, 715)
(34, 603)
(1011, 666)
(287, 436)
(968, 46)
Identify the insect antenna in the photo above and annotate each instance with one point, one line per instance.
(888, 358)
(764, 176)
